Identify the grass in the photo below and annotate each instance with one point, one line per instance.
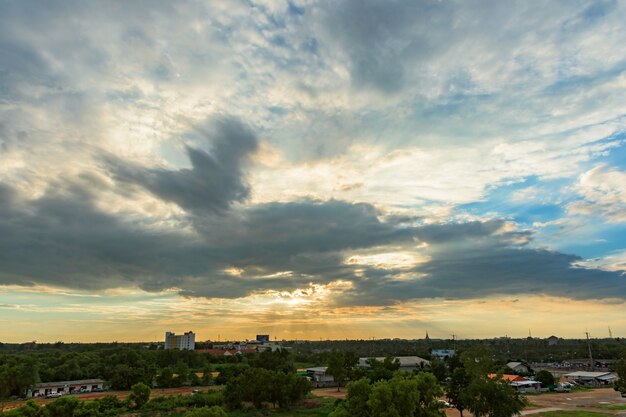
(612, 406)
(317, 407)
(572, 413)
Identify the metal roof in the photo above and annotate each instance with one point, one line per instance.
(586, 374)
(64, 383)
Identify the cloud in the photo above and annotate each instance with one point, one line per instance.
(62, 239)
(216, 179)
(387, 119)
(603, 192)
(479, 260)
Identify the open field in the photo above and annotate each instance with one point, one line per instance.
(596, 403)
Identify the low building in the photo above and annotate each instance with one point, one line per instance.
(442, 353)
(518, 367)
(526, 386)
(592, 378)
(508, 377)
(186, 341)
(552, 340)
(273, 346)
(407, 363)
(519, 383)
(318, 377)
(65, 387)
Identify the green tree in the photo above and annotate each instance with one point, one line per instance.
(62, 407)
(478, 360)
(383, 369)
(182, 373)
(207, 375)
(545, 377)
(620, 369)
(429, 393)
(439, 369)
(336, 367)
(381, 402)
(139, 395)
(456, 390)
(494, 397)
(165, 378)
(406, 395)
(215, 411)
(356, 400)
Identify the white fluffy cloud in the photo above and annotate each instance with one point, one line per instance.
(603, 193)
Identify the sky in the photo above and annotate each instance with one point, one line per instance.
(312, 169)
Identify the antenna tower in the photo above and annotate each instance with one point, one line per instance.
(593, 365)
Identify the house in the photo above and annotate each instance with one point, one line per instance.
(508, 377)
(407, 363)
(65, 387)
(552, 340)
(442, 353)
(518, 367)
(592, 378)
(318, 377)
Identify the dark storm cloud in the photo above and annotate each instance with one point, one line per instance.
(492, 264)
(62, 239)
(215, 180)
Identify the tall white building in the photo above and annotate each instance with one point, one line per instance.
(185, 341)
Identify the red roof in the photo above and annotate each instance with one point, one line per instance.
(509, 377)
(218, 352)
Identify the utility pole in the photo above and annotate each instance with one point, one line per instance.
(593, 365)
(454, 342)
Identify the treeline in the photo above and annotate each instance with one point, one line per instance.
(503, 349)
(121, 368)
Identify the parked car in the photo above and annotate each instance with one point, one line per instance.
(54, 395)
(97, 389)
(445, 403)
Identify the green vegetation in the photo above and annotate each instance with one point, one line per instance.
(214, 411)
(620, 369)
(139, 395)
(546, 378)
(259, 386)
(572, 413)
(404, 395)
(611, 406)
(469, 387)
